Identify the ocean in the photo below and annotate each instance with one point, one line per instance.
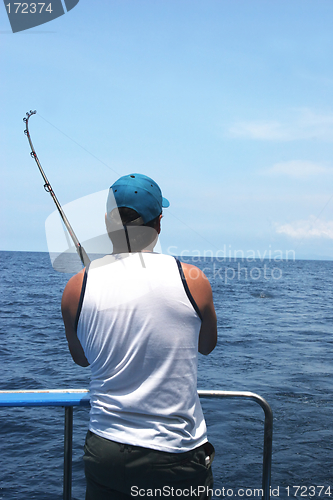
(275, 339)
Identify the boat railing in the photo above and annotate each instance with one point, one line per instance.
(68, 398)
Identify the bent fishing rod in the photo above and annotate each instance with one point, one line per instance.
(47, 186)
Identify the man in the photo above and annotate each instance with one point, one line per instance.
(138, 319)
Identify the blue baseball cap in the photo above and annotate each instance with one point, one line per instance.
(139, 192)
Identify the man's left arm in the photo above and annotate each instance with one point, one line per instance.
(69, 306)
(201, 292)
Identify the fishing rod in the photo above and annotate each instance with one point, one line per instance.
(47, 186)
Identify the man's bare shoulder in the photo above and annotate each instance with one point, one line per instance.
(195, 276)
(201, 292)
(73, 288)
(198, 285)
(76, 280)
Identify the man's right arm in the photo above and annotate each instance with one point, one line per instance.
(201, 292)
(69, 306)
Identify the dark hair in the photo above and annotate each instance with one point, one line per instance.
(130, 217)
(130, 233)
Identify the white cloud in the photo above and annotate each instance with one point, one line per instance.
(262, 130)
(298, 169)
(311, 228)
(300, 124)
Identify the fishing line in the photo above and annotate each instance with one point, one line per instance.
(47, 186)
(194, 231)
(113, 170)
(78, 144)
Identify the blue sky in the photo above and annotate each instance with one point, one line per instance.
(226, 104)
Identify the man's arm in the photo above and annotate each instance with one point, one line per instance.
(69, 306)
(201, 292)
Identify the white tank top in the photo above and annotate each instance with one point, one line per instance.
(139, 327)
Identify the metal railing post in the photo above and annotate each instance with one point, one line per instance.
(68, 445)
(268, 431)
(267, 458)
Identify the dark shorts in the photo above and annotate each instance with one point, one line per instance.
(117, 471)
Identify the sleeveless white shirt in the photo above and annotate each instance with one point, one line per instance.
(139, 327)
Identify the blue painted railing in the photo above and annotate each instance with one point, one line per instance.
(69, 398)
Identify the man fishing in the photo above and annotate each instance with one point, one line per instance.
(139, 318)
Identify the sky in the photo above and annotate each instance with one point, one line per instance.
(226, 104)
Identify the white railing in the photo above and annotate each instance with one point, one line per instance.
(69, 398)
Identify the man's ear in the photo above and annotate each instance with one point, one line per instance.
(158, 225)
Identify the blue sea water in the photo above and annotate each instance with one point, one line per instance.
(275, 339)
